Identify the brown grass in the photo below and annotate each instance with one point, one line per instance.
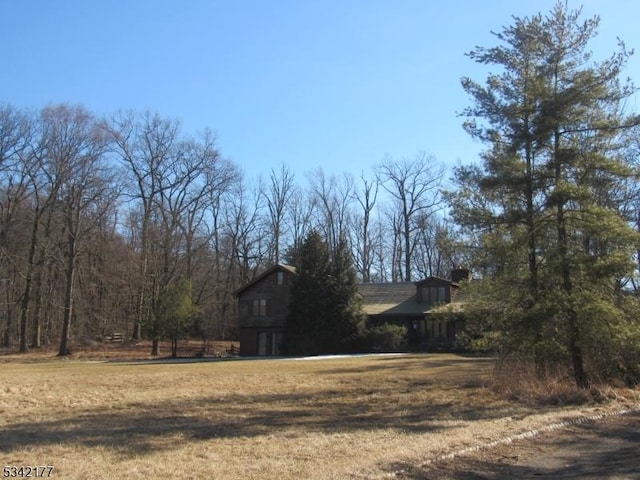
(518, 381)
(92, 350)
(250, 419)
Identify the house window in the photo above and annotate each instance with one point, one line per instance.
(280, 278)
(259, 307)
(434, 294)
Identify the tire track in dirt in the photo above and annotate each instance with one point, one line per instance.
(530, 434)
(465, 463)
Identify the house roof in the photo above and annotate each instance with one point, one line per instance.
(436, 280)
(395, 299)
(392, 299)
(266, 273)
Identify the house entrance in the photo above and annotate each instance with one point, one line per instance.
(269, 343)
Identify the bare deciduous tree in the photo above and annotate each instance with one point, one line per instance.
(415, 187)
(75, 165)
(301, 211)
(333, 197)
(15, 132)
(277, 195)
(144, 143)
(362, 239)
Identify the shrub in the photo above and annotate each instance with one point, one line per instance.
(387, 337)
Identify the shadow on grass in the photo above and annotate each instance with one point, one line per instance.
(591, 451)
(140, 428)
(425, 362)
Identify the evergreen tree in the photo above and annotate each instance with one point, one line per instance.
(175, 312)
(309, 298)
(325, 312)
(553, 248)
(345, 319)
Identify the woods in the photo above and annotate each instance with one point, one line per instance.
(102, 218)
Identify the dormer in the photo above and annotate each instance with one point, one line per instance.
(434, 290)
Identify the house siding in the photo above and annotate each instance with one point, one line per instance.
(261, 329)
(255, 341)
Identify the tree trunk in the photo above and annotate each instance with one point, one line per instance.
(137, 328)
(144, 270)
(36, 339)
(577, 360)
(68, 296)
(575, 350)
(7, 341)
(26, 295)
(407, 245)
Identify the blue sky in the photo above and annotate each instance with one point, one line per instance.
(336, 84)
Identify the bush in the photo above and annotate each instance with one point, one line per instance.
(387, 337)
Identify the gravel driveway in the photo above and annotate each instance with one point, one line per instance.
(605, 449)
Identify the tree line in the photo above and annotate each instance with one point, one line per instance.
(102, 219)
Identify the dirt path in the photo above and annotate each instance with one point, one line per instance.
(605, 449)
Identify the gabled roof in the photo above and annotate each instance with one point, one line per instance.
(393, 299)
(438, 280)
(396, 299)
(266, 273)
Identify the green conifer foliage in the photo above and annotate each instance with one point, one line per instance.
(553, 248)
(345, 322)
(325, 313)
(175, 312)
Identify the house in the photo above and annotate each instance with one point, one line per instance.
(262, 309)
(419, 307)
(263, 302)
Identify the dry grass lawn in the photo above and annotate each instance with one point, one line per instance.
(250, 419)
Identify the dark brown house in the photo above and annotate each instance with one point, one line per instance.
(262, 309)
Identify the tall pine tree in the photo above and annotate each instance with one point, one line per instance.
(309, 304)
(345, 319)
(325, 313)
(552, 247)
